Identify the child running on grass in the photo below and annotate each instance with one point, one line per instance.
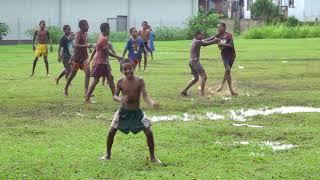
(77, 61)
(42, 47)
(135, 46)
(65, 52)
(151, 41)
(194, 62)
(130, 117)
(228, 55)
(144, 34)
(114, 52)
(101, 67)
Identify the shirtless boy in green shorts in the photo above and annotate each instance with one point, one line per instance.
(130, 117)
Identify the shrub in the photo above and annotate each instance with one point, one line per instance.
(283, 31)
(55, 33)
(170, 33)
(4, 29)
(203, 22)
(161, 33)
(292, 21)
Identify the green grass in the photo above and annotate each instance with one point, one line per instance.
(42, 136)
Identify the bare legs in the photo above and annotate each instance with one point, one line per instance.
(194, 81)
(227, 77)
(70, 78)
(90, 91)
(35, 64)
(150, 141)
(65, 72)
(145, 58)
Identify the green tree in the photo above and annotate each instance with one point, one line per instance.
(4, 29)
(266, 10)
(202, 22)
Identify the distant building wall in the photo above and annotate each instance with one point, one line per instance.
(21, 15)
(298, 10)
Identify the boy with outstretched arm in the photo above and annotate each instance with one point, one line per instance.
(194, 62)
(228, 55)
(130, 117)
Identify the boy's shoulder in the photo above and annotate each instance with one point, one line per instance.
(140, 80)
(103, 39)
(120, 80)
(228, 35)
(196, 41)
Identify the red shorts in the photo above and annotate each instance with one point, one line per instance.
(76, 66)
(135, 61)
(101, 70)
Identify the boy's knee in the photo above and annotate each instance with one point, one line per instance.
(148, 132)
(112, 131)
(204, 77)
(227, 71)
(196, 78)
(96, 80)
(110, 78)
(87, 73)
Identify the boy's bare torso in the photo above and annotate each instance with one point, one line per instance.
(131, 90)
(42, 36)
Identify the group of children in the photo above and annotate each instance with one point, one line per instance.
(73, 52)
(228, 54)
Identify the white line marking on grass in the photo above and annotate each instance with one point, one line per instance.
(79, 114)
(240, 67)
(277, 146)
(226, 98)
(284, 61)
(241, 115)
(257, 154)
(247, 125)
(244, 142)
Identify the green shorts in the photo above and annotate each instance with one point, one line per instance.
(130, 120)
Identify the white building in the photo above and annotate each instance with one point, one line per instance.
(21, 15)
(304, 10)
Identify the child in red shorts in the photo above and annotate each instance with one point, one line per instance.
(101, 66)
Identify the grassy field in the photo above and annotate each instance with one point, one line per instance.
(48, 136)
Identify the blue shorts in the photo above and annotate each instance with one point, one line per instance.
(227, 64)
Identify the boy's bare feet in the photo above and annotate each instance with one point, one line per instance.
(233, 93)
(105, 157)
(57, 81)
(219, 89)
(89, 101)
(156, 161)
(183, 93)
(202, 94)
(65, 93)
